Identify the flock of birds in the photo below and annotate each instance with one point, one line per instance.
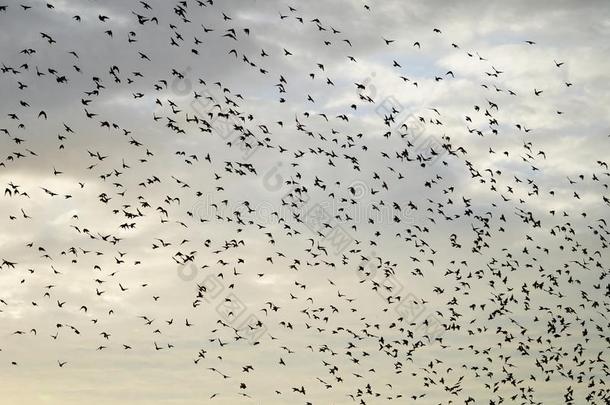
(494, 291)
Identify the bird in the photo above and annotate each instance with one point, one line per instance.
(341, 212)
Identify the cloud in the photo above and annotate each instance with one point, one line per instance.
(143, 198)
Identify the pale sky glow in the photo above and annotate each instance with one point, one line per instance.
(324, 202)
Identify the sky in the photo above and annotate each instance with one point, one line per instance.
(374, 202)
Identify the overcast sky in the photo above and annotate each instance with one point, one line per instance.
(415, 193)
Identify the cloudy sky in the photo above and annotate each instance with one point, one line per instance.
(368, 202)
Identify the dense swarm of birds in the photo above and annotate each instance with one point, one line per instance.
(463, 268)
